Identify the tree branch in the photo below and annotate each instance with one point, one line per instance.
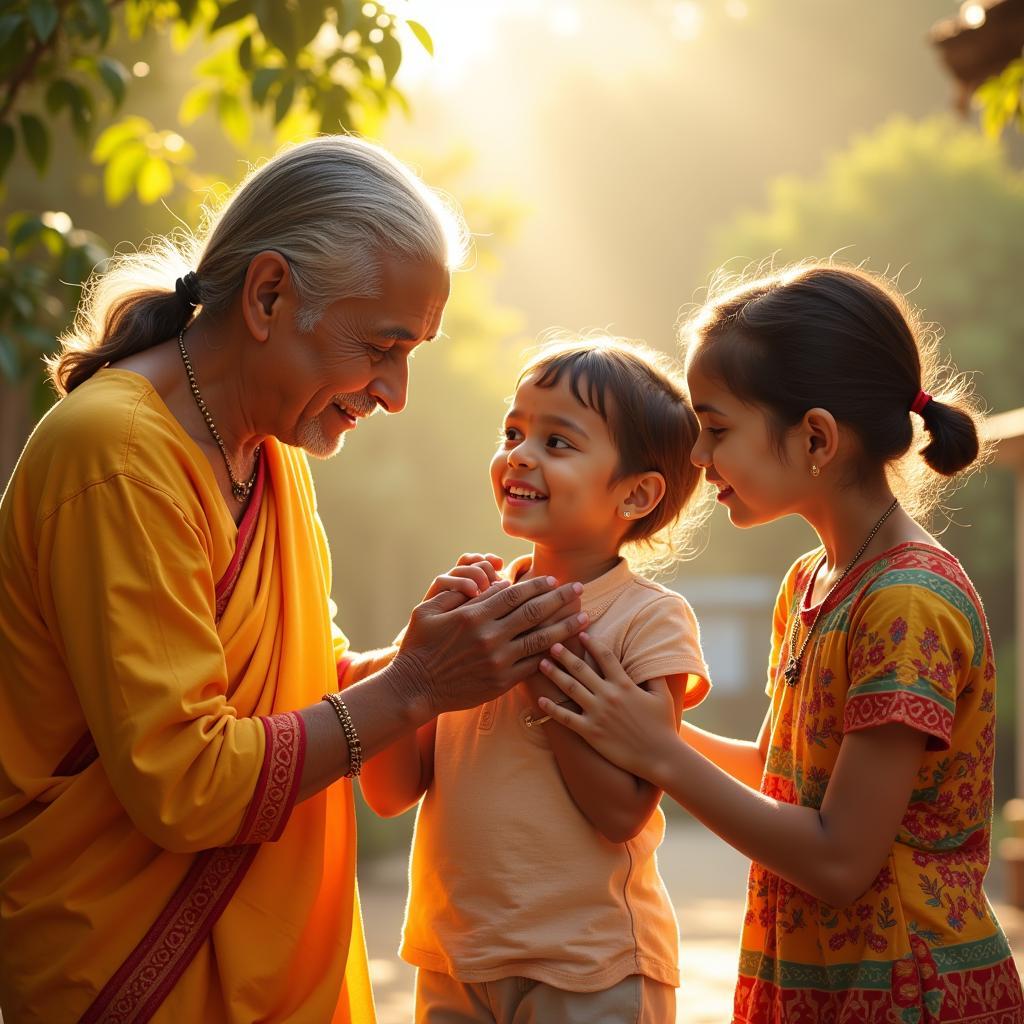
(24, 73)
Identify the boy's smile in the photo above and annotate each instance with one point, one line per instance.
(553, 472)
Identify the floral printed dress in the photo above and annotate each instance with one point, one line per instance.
(904, 639)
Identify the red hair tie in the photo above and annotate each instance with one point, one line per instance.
(918, 404)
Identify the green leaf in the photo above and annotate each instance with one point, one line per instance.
(232, 12)
(115, 78)
(155, 180)
(284, 100)
(122, 171)
(7, 140)
(390, 52)
(195, 104)
(37, 141)
(81, 113)
(9, 24)
(60, 94)
(234, 116)
(188, 9)
(43, 15)
(307, 18)
(262, 81)
(112, 138)
(10, 363)
(245, 54)
(422, 35)
(349, 14)
(278, 25)
(98, 14)
(26, 232)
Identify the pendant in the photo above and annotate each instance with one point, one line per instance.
(792, 672)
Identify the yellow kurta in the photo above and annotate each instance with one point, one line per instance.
(113, 540)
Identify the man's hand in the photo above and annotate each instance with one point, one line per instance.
(458, 653)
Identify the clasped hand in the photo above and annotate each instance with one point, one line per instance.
(475, 635)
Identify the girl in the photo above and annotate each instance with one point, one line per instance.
(881, 678)
(535, 895)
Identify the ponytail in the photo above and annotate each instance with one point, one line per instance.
(954, 441)
(129, 305)
(134, 323)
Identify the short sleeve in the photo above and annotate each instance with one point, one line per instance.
(664, 640)
(905, 645)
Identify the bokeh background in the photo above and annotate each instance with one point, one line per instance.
(609, 155)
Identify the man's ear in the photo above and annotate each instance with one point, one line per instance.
(267, 280)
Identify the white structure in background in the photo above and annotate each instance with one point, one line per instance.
(735, 615)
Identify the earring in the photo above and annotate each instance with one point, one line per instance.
(815, 471)
(626, 514)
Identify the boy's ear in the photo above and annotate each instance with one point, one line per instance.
(820, 437)
(646, 490)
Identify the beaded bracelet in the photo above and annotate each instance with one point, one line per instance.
(355, 748)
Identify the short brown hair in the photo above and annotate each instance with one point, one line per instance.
(641, 396)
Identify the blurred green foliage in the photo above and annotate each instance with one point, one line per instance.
(1001, 99)
(305, 66)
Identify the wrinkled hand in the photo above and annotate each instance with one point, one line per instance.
(540, 685)
(458, 653)
(471, 575)
(630, 725)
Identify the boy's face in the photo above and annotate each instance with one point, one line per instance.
(552, 473)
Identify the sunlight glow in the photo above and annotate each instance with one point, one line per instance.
(465, 34)
(687, 20)
(565, 20)
(56, 219)
(973, 14)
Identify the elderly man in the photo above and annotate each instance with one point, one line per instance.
(171, 845)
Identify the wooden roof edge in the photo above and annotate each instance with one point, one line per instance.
(1007, 430)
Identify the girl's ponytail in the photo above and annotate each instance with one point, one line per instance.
(954, 441)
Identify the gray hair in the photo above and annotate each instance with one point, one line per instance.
(332, 206)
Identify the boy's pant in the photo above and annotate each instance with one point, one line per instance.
(441, 999)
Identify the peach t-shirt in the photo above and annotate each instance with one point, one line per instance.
(508, 878)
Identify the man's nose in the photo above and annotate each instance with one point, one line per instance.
(391, 386)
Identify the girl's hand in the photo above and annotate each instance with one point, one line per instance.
(630, 726)
(471, 575)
